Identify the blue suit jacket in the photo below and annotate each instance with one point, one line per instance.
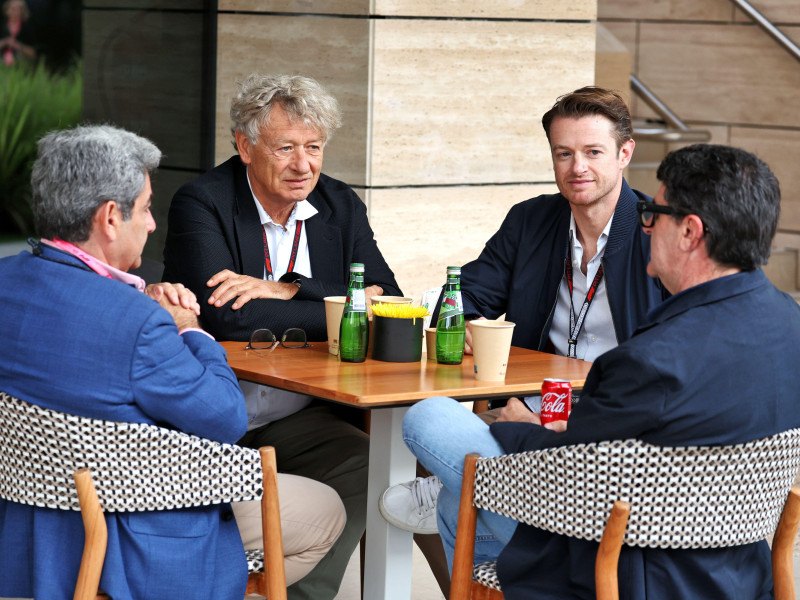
(76, 342)
(214, 225)
(716, 364)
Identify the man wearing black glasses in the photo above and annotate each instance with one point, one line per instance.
(718, 363)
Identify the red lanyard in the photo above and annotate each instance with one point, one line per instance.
(575, 326)
(292, 259)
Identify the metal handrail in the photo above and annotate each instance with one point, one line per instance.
(767, 26)
(677, 130)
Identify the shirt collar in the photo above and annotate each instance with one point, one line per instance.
(96, 265)
(705, 293)
(302, 210)
(601, 241)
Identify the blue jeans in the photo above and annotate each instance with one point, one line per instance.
(440, 432)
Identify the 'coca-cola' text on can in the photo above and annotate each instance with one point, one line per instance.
(556, 400)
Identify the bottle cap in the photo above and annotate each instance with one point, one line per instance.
(454, 270)
(356, 267)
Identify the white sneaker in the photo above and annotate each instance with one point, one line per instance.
(412, 505)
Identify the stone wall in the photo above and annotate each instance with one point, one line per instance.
(442, 104)
(717, 70)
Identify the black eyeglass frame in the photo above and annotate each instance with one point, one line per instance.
(275, 342)
(643, 207)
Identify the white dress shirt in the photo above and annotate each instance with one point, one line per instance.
(264, 403)
(597, 334)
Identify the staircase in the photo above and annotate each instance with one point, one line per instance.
(658, 130)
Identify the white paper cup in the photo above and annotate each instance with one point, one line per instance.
(491, 344)
(391, 300)
(430, 342)
(334, 307)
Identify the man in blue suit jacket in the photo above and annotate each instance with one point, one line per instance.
(717, 363)
(79, 336)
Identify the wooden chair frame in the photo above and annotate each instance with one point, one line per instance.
(270, 583)
(464, 587)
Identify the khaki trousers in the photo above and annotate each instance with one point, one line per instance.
(312, 518)
(318, 443)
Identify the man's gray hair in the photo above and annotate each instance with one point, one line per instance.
(301, 97)
(78, 170)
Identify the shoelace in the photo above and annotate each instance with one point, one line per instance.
(424, 492)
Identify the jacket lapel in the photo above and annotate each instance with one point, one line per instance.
(248, 230)
(324, 243)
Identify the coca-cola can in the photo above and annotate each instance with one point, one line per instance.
(556, 400)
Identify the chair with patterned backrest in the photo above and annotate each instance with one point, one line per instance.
(129, 467)
(650, 496)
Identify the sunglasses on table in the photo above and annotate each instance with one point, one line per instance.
(264, 339)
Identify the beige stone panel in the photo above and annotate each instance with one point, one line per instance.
(502, 9)
(461, 101)
(421, 231)
(625, 33)
(790, 216)
(683, 10)
(777, 148)
(780, 12)
(336, 7)
(337, 58)
(721, 73)
(613, 64)
(782, 268)
(641, 174)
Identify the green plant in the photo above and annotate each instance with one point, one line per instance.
(33, 101)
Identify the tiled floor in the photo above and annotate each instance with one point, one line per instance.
(423, 584)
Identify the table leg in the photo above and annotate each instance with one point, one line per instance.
(387, 573)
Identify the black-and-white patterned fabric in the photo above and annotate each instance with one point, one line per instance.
(680, 497)
(485, 573)
(255, 560)
(135, 467)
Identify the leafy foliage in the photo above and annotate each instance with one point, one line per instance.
(33, 101)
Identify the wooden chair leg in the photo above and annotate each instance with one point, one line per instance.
(96, 533)
(274, 569)
(464, 554)
(480, 406)
(605, 570)
(782, 548)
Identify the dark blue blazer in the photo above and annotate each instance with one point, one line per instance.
(77, 342)
(520, 269)
(716, 364)
(214, 225)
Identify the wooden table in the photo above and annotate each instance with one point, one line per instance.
(392, 388)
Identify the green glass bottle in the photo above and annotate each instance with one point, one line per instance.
(450, 328)
(354, 329)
